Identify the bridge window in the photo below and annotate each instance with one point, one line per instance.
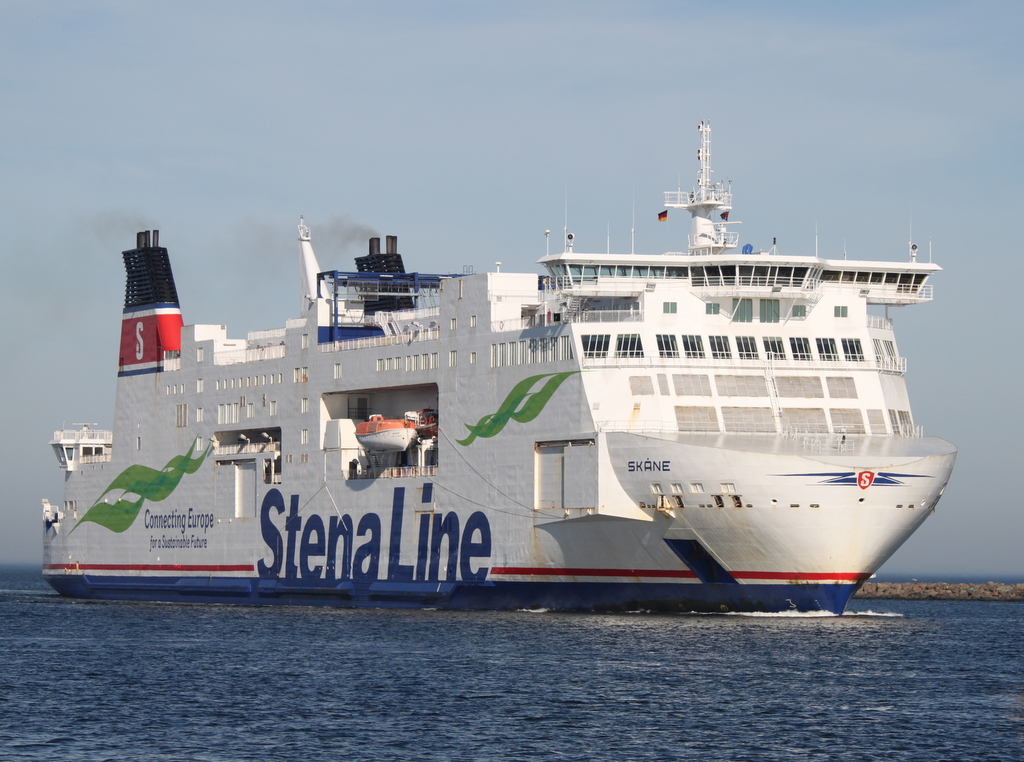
(720, 347)
(629, 345)
(693, 346)
(801, 348)
(747, 347)
(667, 346)
(853, 350)
(773, 348)
(827, 350)
(596, 346)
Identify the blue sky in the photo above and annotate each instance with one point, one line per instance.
(469, 128)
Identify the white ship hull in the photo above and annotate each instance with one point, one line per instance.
(623, 434)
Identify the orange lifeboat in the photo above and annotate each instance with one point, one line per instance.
(426, 425)
(388, 434)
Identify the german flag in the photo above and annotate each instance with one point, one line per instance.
(662, 216)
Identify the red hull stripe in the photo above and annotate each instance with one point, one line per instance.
(510, 570)
(154, 567)
(553, 572)
(848, 576)
(550, 572)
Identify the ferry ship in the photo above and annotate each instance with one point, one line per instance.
(720, 429)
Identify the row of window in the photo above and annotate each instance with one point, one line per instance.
(530, 351)
(425, 361)
(769, 310)
(720, 347)
(698, 385)
(742, 275)
(808, 420)
(230, 412)
(299, 375)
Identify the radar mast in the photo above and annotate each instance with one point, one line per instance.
(707, 235)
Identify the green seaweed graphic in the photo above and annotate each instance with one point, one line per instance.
(145, 482)
(521, 405)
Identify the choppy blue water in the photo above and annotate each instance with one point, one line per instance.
(82, 680)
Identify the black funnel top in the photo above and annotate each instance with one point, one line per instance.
(149, 277)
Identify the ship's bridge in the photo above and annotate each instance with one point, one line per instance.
(78, 447)
(758, 274)
(886, 283)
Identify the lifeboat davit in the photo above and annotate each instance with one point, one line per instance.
(388, 434)
(426, 425)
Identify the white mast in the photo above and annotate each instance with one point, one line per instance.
(308, 266)
(707, 235)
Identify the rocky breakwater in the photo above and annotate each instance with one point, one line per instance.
(942, 591)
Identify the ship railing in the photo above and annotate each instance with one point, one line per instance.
(249, 354)
(558, 318)
(716, 194)
(903, 293)
(171, 363)
(905, 430)
(701, 241)
(892, 364)
(608, 316)
(760, 286)
(396, 472)
(540, 320)
(876, 321)
(247, 448)
(404, 316)
(603, 285)
(897, 365)
(638, 427)
(100, 436)
(903, 289)
(272, 333)
(819, 441)
(86, 459)
(295, 323)
(755, 281)
(426, 334)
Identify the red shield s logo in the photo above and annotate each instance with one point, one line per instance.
(865, 479)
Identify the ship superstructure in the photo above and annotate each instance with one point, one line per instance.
(718, 429)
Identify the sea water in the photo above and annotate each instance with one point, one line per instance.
(891, 680)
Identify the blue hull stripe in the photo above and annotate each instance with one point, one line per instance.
(811, 596)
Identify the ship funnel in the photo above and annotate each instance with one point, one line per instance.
(388, 262)
(151, 322)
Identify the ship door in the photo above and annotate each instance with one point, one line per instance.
(549, 475)
(245, 489)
